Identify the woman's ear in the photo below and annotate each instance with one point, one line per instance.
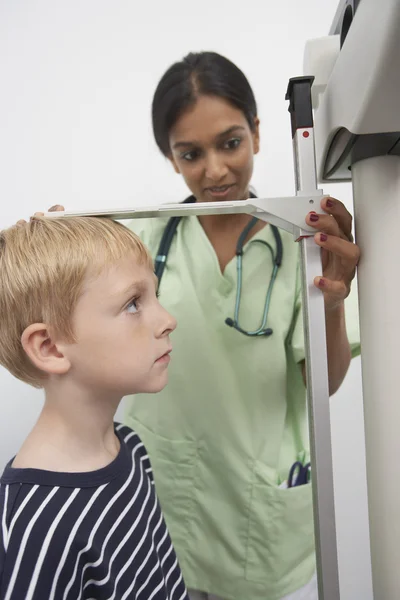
(256, 135)
(174, 164)
(43, 351)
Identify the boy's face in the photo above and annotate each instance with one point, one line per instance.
(122, 332)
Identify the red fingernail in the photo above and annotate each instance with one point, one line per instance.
(314, 217)
(323, 237)
(329, 203)
(321, 282)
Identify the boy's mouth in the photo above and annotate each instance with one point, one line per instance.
(164, 358)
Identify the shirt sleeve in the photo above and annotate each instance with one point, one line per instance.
(351, 315)
(142, 228)
(150, 231)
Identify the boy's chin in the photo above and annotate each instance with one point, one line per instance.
(150, 387)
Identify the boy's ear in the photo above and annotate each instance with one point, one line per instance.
(43, 351)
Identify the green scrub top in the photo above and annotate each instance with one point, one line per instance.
(225, 431)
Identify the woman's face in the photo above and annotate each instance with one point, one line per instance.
(212, 146)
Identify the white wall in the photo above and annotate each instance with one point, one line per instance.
(77, 78)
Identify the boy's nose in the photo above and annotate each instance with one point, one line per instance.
(169, 323)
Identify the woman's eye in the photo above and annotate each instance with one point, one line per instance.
(132, 306)
(190, 156)
(232, 144)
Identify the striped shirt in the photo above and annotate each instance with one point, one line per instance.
(87, 536)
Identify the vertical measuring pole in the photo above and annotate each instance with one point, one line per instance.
(300, 108)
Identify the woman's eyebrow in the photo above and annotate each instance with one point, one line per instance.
(183, 144)
(223, 134)
(230, 130)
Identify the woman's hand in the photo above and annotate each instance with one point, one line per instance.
(340, 255)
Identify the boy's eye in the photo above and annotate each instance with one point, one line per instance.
(132, 306)
(232, 144)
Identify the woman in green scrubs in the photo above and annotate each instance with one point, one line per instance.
(224, 433)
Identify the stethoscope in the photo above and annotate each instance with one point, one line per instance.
(165, 245)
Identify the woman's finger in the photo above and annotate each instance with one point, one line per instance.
(342, 216)
(342, 248)
(56, 207)
(325, 223)
(334, 291)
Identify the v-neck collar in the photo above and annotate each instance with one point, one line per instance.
(196, 230)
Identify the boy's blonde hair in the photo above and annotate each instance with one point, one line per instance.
(42, 268)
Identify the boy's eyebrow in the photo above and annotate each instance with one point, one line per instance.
(133, 288)
(137, 287)
(219, 136)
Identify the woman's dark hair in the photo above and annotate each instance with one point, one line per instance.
(202, 73)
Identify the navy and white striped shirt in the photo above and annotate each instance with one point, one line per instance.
(85, 536)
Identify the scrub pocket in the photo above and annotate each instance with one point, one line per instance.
(173, 463)
(281, 531)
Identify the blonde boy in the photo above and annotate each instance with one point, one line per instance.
(79, 317)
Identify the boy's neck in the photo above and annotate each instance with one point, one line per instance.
(74, 433)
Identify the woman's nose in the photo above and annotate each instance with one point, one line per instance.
(216, 168)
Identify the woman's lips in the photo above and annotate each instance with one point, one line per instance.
(219, 191)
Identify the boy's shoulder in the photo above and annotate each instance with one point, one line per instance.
(49, 519)
(126, 433)
(23, 490)
(130, 438)
(135, 447)
(127, 436)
